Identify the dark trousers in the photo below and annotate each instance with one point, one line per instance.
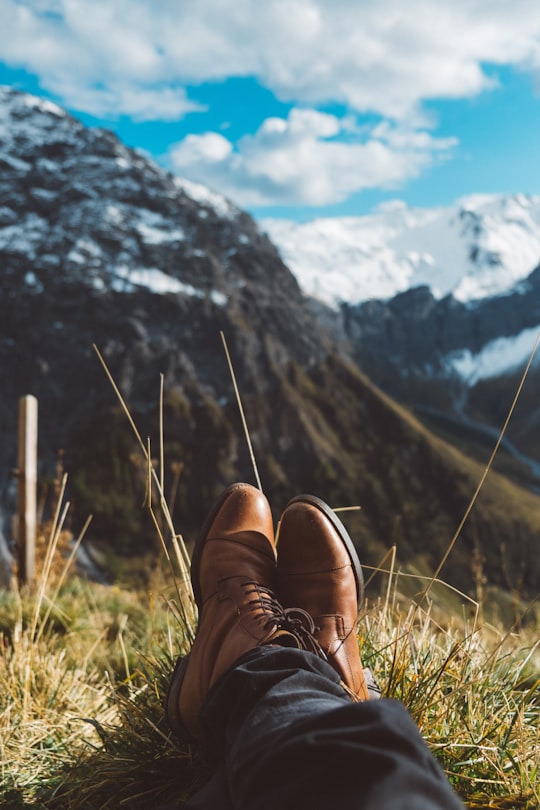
(286, 736)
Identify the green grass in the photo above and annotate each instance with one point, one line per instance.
(81, 698)
(82, 689)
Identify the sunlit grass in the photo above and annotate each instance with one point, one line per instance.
(475, 695)
(81, 709)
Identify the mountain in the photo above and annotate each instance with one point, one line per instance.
(478, 248)
(443, 307)
(98, 245)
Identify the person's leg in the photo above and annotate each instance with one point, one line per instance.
(279, 718)
(233, 572)
(287, 736)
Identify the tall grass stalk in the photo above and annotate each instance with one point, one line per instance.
(241, 410)
(182, 584)
(487, 468)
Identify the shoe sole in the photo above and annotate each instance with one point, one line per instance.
(344, 537)
(172, 699)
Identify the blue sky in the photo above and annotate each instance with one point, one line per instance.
(299, 108)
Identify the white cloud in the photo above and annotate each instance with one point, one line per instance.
(387, 57)
(141, 104)
(136, 58)
(97, 57)
(298, 160)
(208, 149)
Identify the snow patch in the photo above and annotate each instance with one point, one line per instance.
(84, 251)
(7, 216)
(218, 298)
(44, 164)
(30, 279)
(76, 257)
(15, 163)
(23, 237)
(500, 356)
(43, 105)
(205, 196)
(153, 228)
(44, 194)
(114, 215)
(126, 279)
(157, 236)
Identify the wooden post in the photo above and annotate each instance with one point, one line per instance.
(27, 495)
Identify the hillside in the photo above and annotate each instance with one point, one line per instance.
(100, 246)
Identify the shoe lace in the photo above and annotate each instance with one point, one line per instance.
(294, 620)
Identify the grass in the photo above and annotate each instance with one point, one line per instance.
(81, 699)
(82, 725)
(475, 697)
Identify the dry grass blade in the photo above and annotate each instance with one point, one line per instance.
(486, 470)
(56, 529)
(185, 596)
(241, 409)
(62, 577)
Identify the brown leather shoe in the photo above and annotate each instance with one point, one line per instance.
(318, 571)
(233, 573)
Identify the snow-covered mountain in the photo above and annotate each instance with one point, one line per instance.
(49, 161)
(479, 247)
(483, 247)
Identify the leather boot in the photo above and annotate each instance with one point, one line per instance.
(233, 573)
(318, 571)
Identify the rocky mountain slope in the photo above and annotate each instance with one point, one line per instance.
(458, 366)
(100, 246)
